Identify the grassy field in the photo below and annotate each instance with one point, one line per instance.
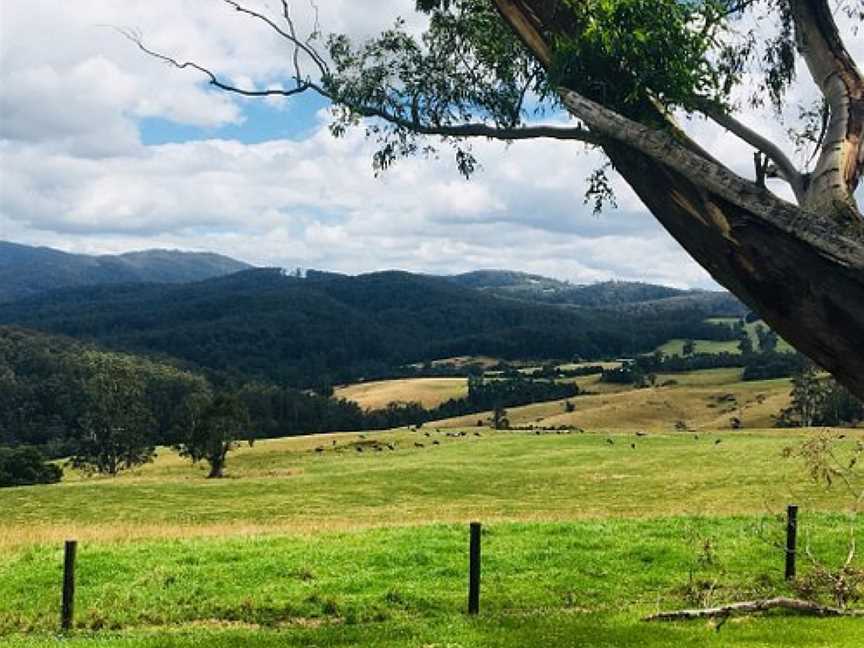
(584, 533)
(429, 392)
(574, 584)
(700, 400)
(675, 347)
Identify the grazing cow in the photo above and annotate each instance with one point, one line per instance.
(418, 445)
(477, 434)
(633, 445)
(718, 442)
(436, 442)
(359, 449)
(640, 433)
(390, 446)
(319, 449)
(610, 442)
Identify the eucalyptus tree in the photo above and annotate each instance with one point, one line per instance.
(626, 71)
(211, 427)
(116, 429)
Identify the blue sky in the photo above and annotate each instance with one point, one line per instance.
(261, 122)
(103, 150)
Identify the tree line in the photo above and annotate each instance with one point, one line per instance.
(757, 365)
(108, 411)
(308, 333)
(819, 400)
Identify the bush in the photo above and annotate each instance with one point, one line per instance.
(24, 466)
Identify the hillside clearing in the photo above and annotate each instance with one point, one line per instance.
(283, 485)
(429, 392)
(339, 540)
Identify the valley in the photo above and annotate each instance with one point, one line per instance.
(342, 520)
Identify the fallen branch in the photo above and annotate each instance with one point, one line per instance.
(745, 607)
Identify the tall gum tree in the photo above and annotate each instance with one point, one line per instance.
(623, 69)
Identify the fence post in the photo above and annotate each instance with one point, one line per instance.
(67, 609)
(474, 570)
(791, 539)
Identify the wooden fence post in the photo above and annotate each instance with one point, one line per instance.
(67, 610)
(791, 539)
(474, 570)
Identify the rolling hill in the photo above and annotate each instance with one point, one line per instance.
(629, 296)
(27, 271)
(267, 323)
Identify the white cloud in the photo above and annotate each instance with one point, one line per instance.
(315, 203)
(75, 174)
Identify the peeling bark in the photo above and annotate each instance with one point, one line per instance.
(801, 269)
(839, 167)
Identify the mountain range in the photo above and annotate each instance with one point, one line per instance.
(27, 271)
(270, 324)
(620, 295)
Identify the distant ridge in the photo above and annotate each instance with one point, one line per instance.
(607, 294)
(282, 326)
(26, 271)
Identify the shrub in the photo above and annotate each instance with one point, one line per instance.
(24, 466)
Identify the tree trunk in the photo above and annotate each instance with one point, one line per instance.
(217, 465)
(801, 271)
(838, 169)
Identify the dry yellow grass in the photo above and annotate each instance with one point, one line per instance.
(702, 400)
(580, 365)
(267, 479)
(429, 392)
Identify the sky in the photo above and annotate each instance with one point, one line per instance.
(106, 150)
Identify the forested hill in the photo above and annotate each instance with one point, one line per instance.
(266, 323)
(621, 295)
(26, 270)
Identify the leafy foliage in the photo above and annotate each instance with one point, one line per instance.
(630, 54)
(330, 328)
(819, 401)
(467, 66)
(633, 56)
(213, 429)
(116, 429)
(25, 466)
(67, 398)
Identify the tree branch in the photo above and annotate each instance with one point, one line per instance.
(319, 61)
(577, 133)
(796, 605)
(214, 80)
(785, 166)
(716, 178)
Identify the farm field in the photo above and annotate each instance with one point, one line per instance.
(700, 400)
(676, 347)
(584, 533)
(429, 392)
